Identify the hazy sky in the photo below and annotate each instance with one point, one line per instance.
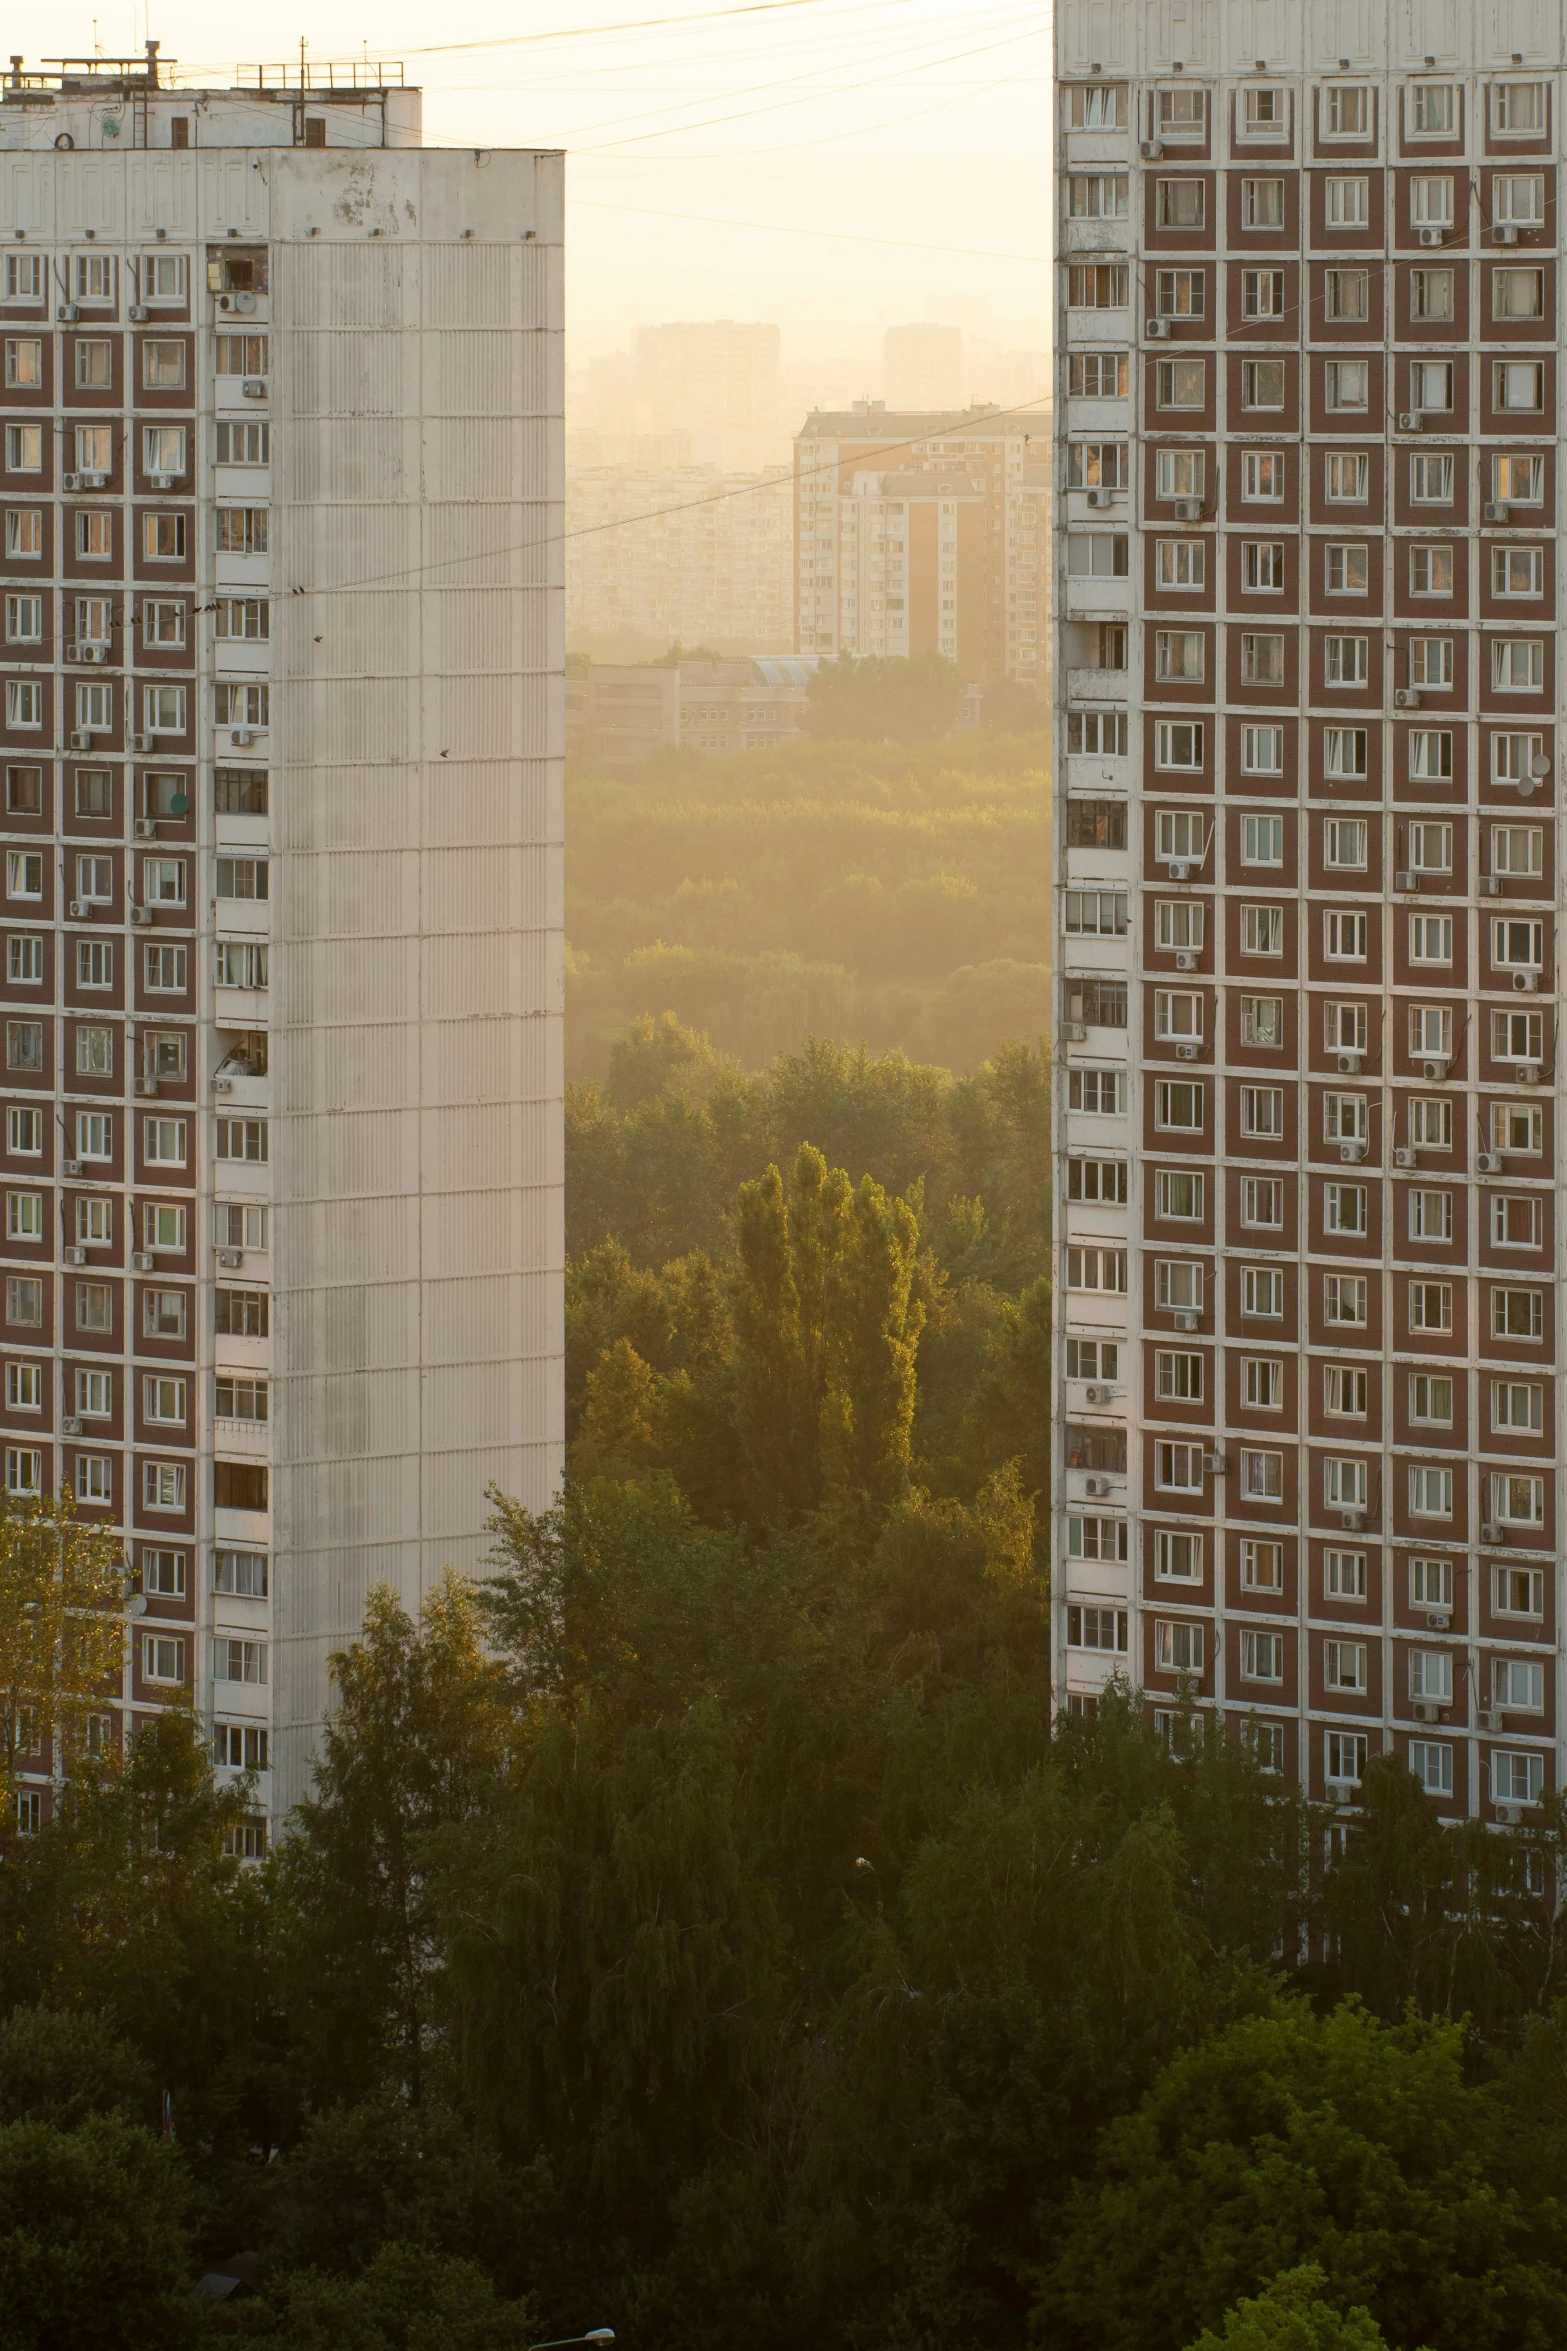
(702, 143)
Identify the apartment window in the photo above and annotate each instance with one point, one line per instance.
(1178, 1194)
(1096, 1269)
(1346, 294)
(94, 535)
(1517, 1126)
(1178, 922)
(1262, 384)
(1262, 1475)
(1094, 824)
(25, 1216)
(241, 1399)
(1431, 571)
(1344, 749)
(1518, 1685)
(1518, 1591)
(94, 364)
(1096, 734)
(1519, 759)
(1430, 1215)
(1517, 293)
(1177, 1556)
(95, 963)
(1180, 654)
(241, 355)
(1518, 385)
(94, 792)
(1431, 847)
(1262, 204)
(241, 1313)
(1431, 201)
(1344, 1574)
(1262, 1566)
(1346, 111)
(1430, 1491)
(1262, 840)
(1098, 1092)
(1348, 203)
(166, 970)
(25, 958)
(1262, 750)
(1344, 936)
(1089, 286)
(1431, 662)
(164, 1227)
(1262, 1112)
(24, 873)
(1262, 930)
(242, 877)
(1344, 1300)
(24, 448)
(1346, 477)
(1262, 1293)
(1430, 479)
(244, 1573)
(1346, 661)
(1178, 744)
(1178, 1647)
(164, 1314)
(1344, 1208)
(1517, 1314)
(164, 710)
(94, 1134)
(1518, 1501)
(1177, 1013)
(245, 441)
(1180, 473)
(1430, 938)
(1344, 1666)
(1181, 564)
(239, 1661)
(1087, 914)
(1517, 1404)
(24, 1386)
(1180, 293)
(24, 702)
(1344, 1752)
(1518, 665)
(1431, 1583)
(1517, 1777)
(1431, 1675)
(1431, 1306)
(1262, 477)
(1262, 293)
(1178, 1377)
(1262, 1026)
(1179, 204)
(1433, 110)
(1519, 478)
(24, 1132)
(1347, 569)
(1344, 843)
(1262, 660)
(1262, 1657)
(1431, 754)
(1093, 1359)
(24, 531)
(24, 791)
(163, 1141)
(1098, 375)
(1431, 294)
(1517, 571)
(242, 530)
(1181, 383)
(163, 1399)
(1178, 1285)
(1096, 555)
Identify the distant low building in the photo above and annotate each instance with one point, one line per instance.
(616, 716)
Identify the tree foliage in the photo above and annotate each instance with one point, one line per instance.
(62, 1635)
(894, 701)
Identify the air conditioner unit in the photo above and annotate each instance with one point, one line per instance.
(1075, 1032)
(1490, 1533)
(68, 314)
(1489, 1162)
(1151, 151)
(138, 314)
(1528, 1073)
(1349, 1065)
(146, 828)
(161, 481)
(141, 1260)
(72, 1167)
(1180, 870)
(1410, 420)
(1405, 1155)
(1214, 1465)
(1526, 982)
(1351, 1154)
(1096, 1485)
(1506, 232)
(1406, 698)
(90, 651)
(1186, 1052)
(230, 1258)
(1493, 511)
(75, 1256)
(1436, 1069)
(1098, 1395)
(1489, 885)
(1185, 959)
(253, 388)
(1352, 1520)
(223, 1085)
(141, 914)
(1099, 497)
(1430, 237)
(1438, 1619)
(138, 742)
(1158, 330)
(93, 481)
(81, 739)
(1424, 1710)
(1188, 510)
(71, 1425)
(1507, 1816)
(146, 1085)
(70, 481)
(81, 909)
(1187, 1318)
(242, 738)
(1404, 879)
(1489, 1718)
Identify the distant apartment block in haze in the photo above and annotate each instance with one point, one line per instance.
(922, 367)
(1310, 1432)
(684, 554)
(925, 532)
(616, 717)
(281, 758)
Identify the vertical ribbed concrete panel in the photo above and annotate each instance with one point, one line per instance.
(417, 981)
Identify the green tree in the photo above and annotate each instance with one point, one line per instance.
(1290, 2315)
(59, 2066)
(93, 2247)
(1293, 2138)
(408, 2299)
(419, 1734)
(62, 1634)
(886, 699)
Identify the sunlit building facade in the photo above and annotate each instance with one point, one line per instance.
(282, 727)
(1308, 881)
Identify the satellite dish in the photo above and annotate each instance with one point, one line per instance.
(1540, 767)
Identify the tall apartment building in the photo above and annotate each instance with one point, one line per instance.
(282, 806)
(683, 554)
(1309, 1424)
(891, 561)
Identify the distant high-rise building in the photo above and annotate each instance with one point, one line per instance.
(889, 561)
(715, 379)
(923, 367)
(685, 554)
(282, 810)
(1309, 1419)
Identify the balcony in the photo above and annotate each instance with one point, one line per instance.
(1097, 685)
